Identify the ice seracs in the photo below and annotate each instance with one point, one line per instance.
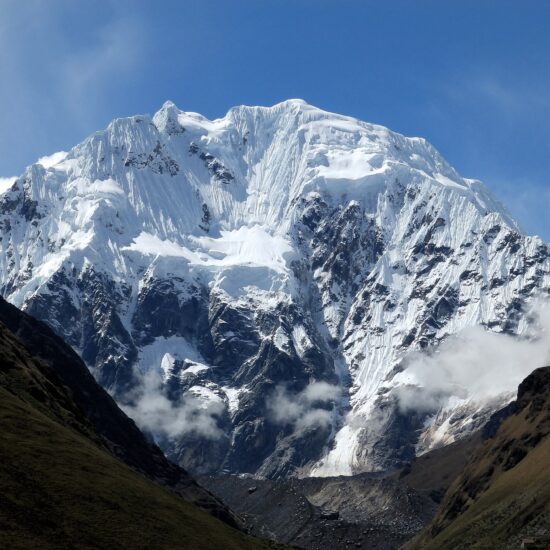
(276, 247)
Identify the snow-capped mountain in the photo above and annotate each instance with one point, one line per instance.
(250, 286)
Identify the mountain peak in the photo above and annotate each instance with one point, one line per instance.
(260, 258)
(168, 104)
(166, 118)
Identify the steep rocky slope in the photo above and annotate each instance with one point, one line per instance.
(212, 272)
(502, 498)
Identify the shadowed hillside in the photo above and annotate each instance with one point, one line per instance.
(61, 483)
(503, 496)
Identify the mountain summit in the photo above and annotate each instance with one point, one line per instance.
(249, 287)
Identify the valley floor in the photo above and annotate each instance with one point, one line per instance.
(364, 511)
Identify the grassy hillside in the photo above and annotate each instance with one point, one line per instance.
(503, 495)
(60, 486)
(432, 473)
(94, 407)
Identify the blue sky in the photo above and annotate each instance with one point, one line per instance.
(473, 77)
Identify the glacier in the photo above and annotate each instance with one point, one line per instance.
(262, 254)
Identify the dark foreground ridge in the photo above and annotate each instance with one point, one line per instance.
(76, 472)
(115, 430)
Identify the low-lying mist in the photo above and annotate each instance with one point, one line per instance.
(155, 413)
(476, 365)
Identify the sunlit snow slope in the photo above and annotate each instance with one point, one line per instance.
(248, 287)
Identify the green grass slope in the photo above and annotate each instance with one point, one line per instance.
(61, 488)
(432, 473)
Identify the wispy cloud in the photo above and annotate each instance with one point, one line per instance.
(6, 183)
(511, 97)
(529, 200)
(155, 413)
(303, 410)
(90, 73)
(60, 64)
(52, 160)
(499, 134)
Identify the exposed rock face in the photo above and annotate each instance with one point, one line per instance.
(277, 256)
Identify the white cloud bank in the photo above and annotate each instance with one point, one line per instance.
(474, 365)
